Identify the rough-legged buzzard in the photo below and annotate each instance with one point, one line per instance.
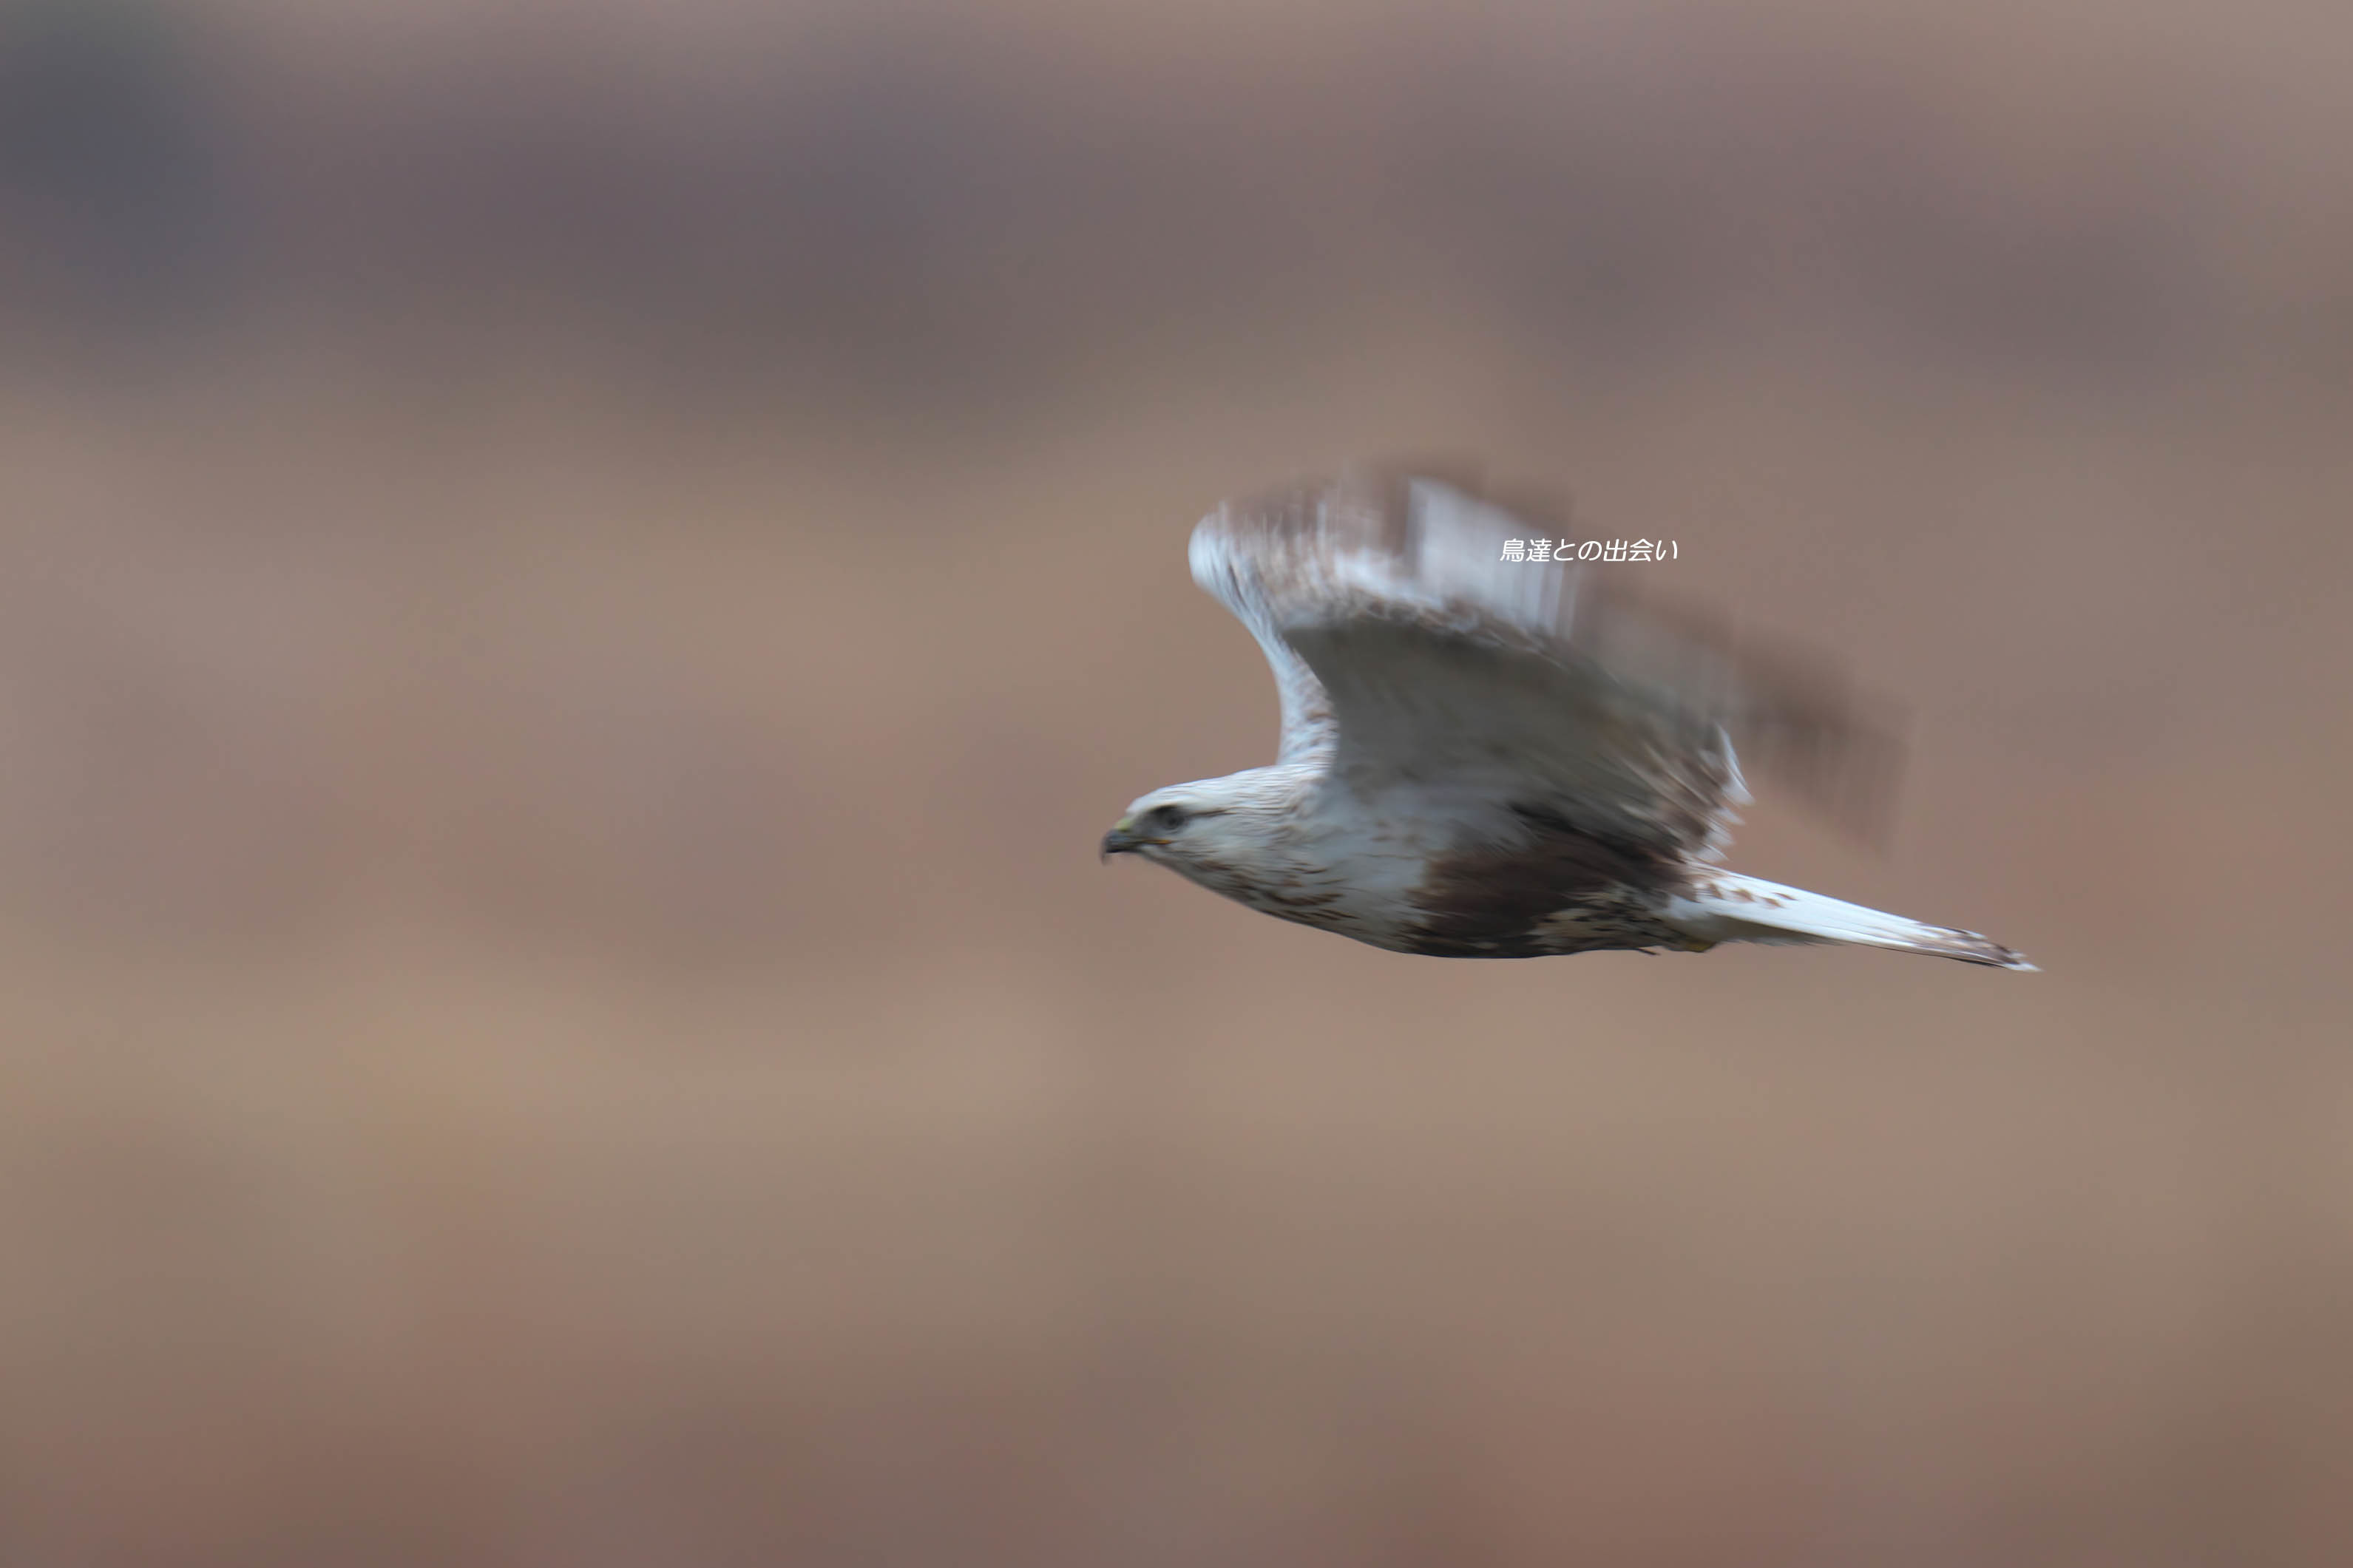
(1488, 758)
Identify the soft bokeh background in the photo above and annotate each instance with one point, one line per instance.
(581, 581)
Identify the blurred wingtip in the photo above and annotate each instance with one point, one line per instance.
(1795, 712)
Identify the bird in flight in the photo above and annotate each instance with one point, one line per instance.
(1485, 757)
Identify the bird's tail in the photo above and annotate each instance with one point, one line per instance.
(1722, 905)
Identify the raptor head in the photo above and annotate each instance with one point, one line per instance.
(1212, 828)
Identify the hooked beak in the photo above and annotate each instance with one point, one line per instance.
(1123, 840)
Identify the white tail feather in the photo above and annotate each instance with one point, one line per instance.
(1722, 905)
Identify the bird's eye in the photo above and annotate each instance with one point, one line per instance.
(1172, 818)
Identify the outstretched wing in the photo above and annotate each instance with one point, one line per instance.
(1410, 654)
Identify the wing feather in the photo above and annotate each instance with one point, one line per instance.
(1409, 653)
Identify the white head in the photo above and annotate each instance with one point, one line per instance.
(1228, 833)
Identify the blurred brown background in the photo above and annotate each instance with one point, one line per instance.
(582, 581)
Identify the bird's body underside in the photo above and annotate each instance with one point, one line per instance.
(1483, 759)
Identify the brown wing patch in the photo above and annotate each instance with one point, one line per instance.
(1495, 902)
